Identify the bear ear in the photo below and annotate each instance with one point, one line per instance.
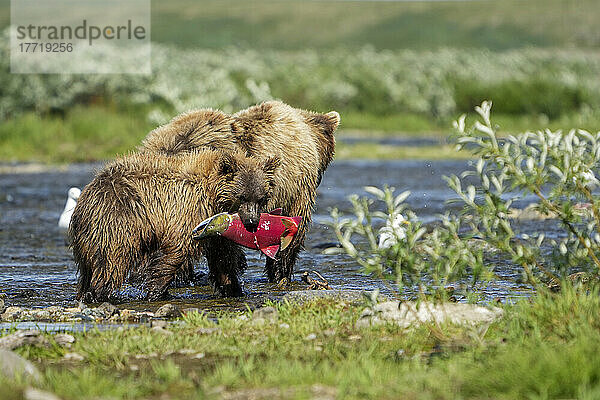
(271, 164)
(326, 123)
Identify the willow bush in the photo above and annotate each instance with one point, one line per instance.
(558, 168)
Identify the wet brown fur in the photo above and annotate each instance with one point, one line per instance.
(134, 220)
(302, 140)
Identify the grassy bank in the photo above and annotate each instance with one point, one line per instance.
(543, 348)
(90, 133)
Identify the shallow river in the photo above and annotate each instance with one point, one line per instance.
(37, 270)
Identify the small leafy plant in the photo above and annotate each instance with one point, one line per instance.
(403, 249)
(557, 168)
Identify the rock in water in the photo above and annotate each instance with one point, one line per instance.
(407, 314)
(167, 311)
(11, 313)
(107, 309)
(13, 365)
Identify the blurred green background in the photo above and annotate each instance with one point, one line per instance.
(390, 68)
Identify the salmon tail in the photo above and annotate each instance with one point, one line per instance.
(291, 228)
(286, 240)
(271, 251)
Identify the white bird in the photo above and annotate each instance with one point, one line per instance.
(393, 231)
(65, 217)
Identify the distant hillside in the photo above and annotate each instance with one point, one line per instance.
(291, 25)
(288, 25)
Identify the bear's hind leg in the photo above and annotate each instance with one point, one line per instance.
(226, 261)
(160, 270)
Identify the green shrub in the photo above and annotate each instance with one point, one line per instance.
(434, 84)
(557, 168)
(532, 97)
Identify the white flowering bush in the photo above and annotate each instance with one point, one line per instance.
(436, 83)
(559, 169)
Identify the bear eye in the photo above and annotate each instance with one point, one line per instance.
(226, 169)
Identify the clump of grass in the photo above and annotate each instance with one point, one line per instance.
(542, 347)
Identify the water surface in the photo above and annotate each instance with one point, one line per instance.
(37, 270)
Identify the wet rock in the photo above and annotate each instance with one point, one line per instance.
(167, 311)
(107, 310)
(73, 357)
(55, 310)
(43, 315)
(64, 339)
(301, 296)
(13, 365)
(22, 338)
(36, 394)
(26, 294)
(82, 317)
(407, 314)
(11, 313)
(265, 314)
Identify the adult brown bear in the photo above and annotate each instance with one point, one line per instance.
(302, 140)
(134, 220)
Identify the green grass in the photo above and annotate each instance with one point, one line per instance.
(83, 134)
(396, 123)
(90, 133)
(544, 348)
(291, 25)
(375, 151)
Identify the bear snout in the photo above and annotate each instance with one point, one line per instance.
(250, 216)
